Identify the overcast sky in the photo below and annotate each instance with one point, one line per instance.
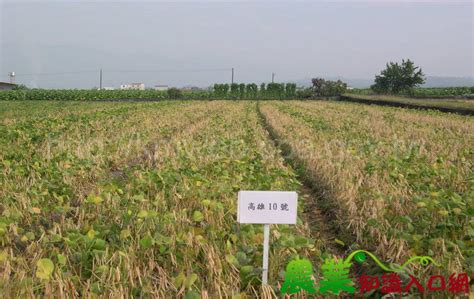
(199, 42)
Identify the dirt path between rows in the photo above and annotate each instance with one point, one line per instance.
(318, 219)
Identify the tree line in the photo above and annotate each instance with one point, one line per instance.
(252, 90)
(396, 78)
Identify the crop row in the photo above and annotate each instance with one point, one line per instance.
(400, 181)
(50, 163)
(137, 199)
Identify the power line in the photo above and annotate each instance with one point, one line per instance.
(54, 74)
(128, 71)
(167, 71)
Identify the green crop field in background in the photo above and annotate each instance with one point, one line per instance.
(461, 104)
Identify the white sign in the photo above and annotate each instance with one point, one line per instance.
(267, 207)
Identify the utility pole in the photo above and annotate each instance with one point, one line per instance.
(273, 77)
(232, 76)
(100, 84)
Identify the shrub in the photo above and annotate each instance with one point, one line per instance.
(327, 88)
(175, 93)
(221, 90)
(241, 90)
(306, 93)
(251, 90)
(290, 90)
(234, 90)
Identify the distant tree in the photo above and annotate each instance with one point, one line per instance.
(263, 89)
(20, 87)
(275, 90)
(225, 88)
(241, 90)
(305, 93)
(396, 78)
(175, 93)
(221, 90)
(290, 90)
(251, 90)
(327, 88)
(234, 90)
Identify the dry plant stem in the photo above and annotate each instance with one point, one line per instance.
(380, 164)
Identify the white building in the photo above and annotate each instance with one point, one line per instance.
(161, 87)
(136, 86)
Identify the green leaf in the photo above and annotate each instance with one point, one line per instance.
(372, 222)
(178, 280)
(124, 234)
(146, 242)
(232, 259)
(301, 241)
(241, 258)
(143, 214)
(44, 269)
(91, 234)
(61, 259)
(190, 280)
(30, 236)
(95, 199)
(99, 244)
(102, 269)
(246, 269)
(192, 295)
(198, 216)
(138, 197)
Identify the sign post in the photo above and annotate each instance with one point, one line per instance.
(267, 207)
(266, 248)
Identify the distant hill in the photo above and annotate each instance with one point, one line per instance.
(431, 81)
(435, 81)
